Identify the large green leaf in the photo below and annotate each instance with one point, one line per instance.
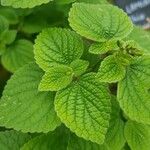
(84, 107)
(99, 22)
(111, 70)
(57, 78)
(23, 107)
(115, 134)
(17, 54)
(56, 140)
(4, 25)
(76, 143)
(137, 135)
(13, 140)
(133, 94)
(23, 3)
(57, 45)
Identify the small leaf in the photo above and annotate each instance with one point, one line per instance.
(111, 70)
(56, 78)
(137, 135)
(57, 46)
(84, 107)
(79, 66)
(103, 47)
(64, 1)
(56, 140)
(23, 3)
(23, 107)
(17, 54)
(133, 95)
(99, 22)
(76, 143)
(94, 1)
(4, 25)
(13, 140)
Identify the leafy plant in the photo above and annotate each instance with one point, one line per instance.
(82, 85)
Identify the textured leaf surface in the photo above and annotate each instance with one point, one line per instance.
(115, 134)
(99, 22)
(84, 107)
(133, 94)
(79, 66)
(76, 143)
(56, 140)
(57, 78)
(23, 107)
(57, 45)
(94, 1)
(111, 70)
(103, 47)
(12, 140)
(141, 37)
(4, 25)
(137, 135)
(23, 3)
(17, 55)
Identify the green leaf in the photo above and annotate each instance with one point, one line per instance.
(64, 1)
(13, 140)
(133, 94)
(10, 15)
(17, 54)
(137, 135)
(141, 37)
(115, 134)
(84, 107)
(56, 78)
(103, 47)
(111, 70)
(4, 25)
(99, 22)
(23, 3)
(23, 107)
(56, 140)
(76, 143)
(8, 36)
(79, 66)
(57, 46)
(94, 1)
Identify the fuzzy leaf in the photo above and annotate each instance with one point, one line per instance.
(79, 66)
(57, 78)
(99, 22)
(133, 94)
(23, 3)
(84, 107)
(13, 140)
(137, 135)
(57, 45)
(111, 70)
(56, 140)
(17, 54)
(103, 47)
(4, 25)
(23, 107)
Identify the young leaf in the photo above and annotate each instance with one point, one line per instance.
(4, 25)
(115, 135)
(133, 94)
(56, 140)
(23, 107)
(56, 78)
(84, 107)
(111, 70)
(99, 22)
(23, 3)
(57, 46)
(79, 66)
(137, 135)
(102, 47)
(76, 143)
(17, 54)
(13, 140)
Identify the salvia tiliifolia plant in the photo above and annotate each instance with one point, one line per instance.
(81, 77)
